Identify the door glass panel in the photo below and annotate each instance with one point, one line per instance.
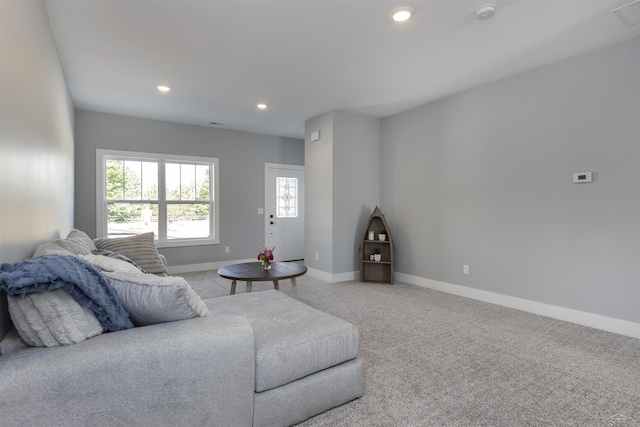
(286, 197)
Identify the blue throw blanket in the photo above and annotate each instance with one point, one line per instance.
(78, 278)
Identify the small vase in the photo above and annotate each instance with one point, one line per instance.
(382, 237)
(266, 265)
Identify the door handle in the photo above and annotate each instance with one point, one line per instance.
(272, 222)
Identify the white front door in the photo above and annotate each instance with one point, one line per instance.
(284, 210)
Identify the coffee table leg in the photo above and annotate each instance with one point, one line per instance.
(294, 286)
(276, 285)
(249, 285)
(233, 287)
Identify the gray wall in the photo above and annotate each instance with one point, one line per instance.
(356, 185)
(342, 187)
(36, 136)
(484, 178)
(242, 157)
(318, 193)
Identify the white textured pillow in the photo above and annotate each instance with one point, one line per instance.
(52, 318)
(77, 242)
(141, 249)
(51, 249)
(150, 299)
(105, 263)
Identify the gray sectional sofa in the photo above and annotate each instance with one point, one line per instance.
(255, 359)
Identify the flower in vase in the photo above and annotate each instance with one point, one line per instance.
(266, 254)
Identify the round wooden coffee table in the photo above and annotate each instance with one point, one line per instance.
(253, 272)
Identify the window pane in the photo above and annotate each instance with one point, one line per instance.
(202, 182)
(286, 197)
(187, 182)
(128, 219)
(115, 179)
(172, 180)
(150, 180)
(186, 221)
(132, 180)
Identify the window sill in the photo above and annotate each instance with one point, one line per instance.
(186, 242)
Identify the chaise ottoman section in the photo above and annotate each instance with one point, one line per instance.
(292, 340)
(309, 396)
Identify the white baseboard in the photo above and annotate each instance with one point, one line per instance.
(591, 320)
(333, 278)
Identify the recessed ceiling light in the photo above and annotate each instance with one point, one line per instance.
(401, 14)
(163, 88)
(485, 11)
(262, 106)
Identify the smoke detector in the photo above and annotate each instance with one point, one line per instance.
(485, 12)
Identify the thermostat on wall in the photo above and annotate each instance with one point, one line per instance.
(579, 177)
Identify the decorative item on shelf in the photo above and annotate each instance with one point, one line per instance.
(266, 256)
(371, 257)
(377, 254)
(382, 235)
(371, 235)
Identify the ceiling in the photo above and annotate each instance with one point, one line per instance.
(307, 57)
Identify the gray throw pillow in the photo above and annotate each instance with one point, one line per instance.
(150, 299)
(140, 248)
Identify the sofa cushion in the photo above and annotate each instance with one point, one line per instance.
(12, 343)
(150, 299)
(140, 248)
(292, 339)
(52, 318)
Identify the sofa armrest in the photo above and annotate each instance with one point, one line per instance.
(191, 372)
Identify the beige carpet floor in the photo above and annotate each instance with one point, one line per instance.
(435, 359)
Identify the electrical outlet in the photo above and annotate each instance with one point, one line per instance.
(465, 269)
(227, 249)
(317, 256)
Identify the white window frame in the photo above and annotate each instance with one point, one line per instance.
(161, 241)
